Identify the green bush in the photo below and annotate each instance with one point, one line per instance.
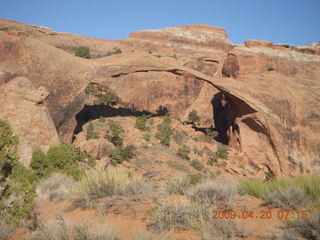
(184, 152)
(91, 134)
(141, 122)
(286, 193)
(193, 116)
(114, 51)
(8, 150)
(82, 51)
(270, 69)
(109, 98)
(114, 133)
(222, 152)
(18, 182)
(91, 89)
(120, 154)
(196, 164)
(164, 131)
(62, 158)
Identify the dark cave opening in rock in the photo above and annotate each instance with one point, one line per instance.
(92, 112)
(220, 117)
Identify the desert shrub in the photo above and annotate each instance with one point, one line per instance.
(222, 152)
(179, 136)
(287, 193)
(270, 69)
(96, 184)
(8, 150)
(114, 133)
(5, 230)
(196, 164)
(60, 158)
(59, 230)
(184, 152)
(114, 51)
(179, 166)
(56, 186)
(147, 136)
(153, 236)
(204, 138)
(82, 51)
(141, 122)
(109, 98)
(17, 182)
(164, 131)
(193, 116)
(221, 229)
(214, 191)
(213, 159)
(138, 187)
(211, 133)
(120, 154)
(181, 184)
(90, 133)
(91, 89)
(308, 228)
(177, 215)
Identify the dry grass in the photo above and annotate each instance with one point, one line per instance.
(5, 230)
(97, 184)
(60, 230)
(180, 185)
(221, 229)
(153, 236)
(138, 187)
(286, 193)
(178, 215)
(214, 191)
(308, 228)
(57, 186)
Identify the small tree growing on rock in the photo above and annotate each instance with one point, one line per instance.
(193, 117)
(82, 51)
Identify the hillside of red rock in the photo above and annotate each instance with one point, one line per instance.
(262, 98)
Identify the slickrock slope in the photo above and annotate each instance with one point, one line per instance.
(263, 98)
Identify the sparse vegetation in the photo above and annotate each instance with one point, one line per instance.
(91, 134)
(114, 133)
(16, 181)
(221, 229)
(82, 51)
(114, 51)
(270, 69)
(147, 136)
(97, 184)
(86, 230)
(213, 159)
(286, 193)
(308, 228)
(120, 154)
(177, 215)
(57, 186)
(109, 98)
(216, 192)
(62, 158)
(179, 136)
(179, 166)
(196, 164)
(193, 117)
(222, 152)
(141, 122)
(181, 184)
(91, 89)
(5, 230)
(164, 131)
(138, 187)
(184, 152)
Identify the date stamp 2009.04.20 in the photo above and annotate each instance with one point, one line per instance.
(262, 214)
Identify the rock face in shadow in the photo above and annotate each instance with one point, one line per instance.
(263, 98)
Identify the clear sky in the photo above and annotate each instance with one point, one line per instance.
(280, 21)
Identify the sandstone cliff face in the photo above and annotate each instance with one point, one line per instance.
(262, 97)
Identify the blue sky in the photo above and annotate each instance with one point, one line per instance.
(280, 21)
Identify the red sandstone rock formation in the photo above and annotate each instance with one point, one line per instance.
(269, 110)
